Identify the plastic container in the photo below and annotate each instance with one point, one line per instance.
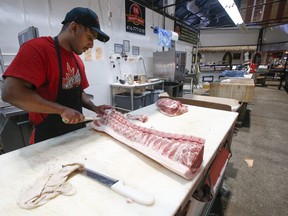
(156, 94)
(123, 100)
(148, 97)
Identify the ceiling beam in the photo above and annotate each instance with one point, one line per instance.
(270, 23)
(175, 4)
(266, 3)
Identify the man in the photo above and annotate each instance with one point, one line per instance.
(47, 77)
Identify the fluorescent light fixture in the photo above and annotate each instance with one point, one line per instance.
(232, 10)
(242, 27)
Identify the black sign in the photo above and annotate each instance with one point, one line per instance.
(186, 33)
(135, 17)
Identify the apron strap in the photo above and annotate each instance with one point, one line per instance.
(59, 61)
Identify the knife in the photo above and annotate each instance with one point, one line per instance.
(119, 187)
(89, 119)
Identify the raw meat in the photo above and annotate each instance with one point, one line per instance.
(171, 107)
(143, 118)
(181, 154)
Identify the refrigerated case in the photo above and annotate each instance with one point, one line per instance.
(169, 65)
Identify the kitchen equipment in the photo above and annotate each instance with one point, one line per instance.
(118, 187)
(169, 65)
(15, 128)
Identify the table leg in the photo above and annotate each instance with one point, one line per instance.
(280, 84)
(282, 78)
(242, 114)
(112, 96)
(132, 99)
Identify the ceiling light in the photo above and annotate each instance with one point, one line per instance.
(232, 10)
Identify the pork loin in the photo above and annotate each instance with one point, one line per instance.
(181, 154)
(171, 107)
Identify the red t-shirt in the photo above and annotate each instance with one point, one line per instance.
(37, 63)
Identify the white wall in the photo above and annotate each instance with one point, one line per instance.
(228, 37)
(234, 37)
(47, 16)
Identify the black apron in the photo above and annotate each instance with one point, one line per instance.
(53, 125)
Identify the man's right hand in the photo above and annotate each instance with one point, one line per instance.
(71, 116)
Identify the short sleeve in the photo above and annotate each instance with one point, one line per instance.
(28, 64)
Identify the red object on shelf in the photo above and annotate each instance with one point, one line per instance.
(252, 67)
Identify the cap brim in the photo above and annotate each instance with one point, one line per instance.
(101, 35)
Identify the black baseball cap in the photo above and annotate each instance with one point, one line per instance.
(88, 18)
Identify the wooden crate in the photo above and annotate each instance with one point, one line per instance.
(241, 89)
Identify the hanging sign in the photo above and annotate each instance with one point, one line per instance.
(135, 17)
(185, 32)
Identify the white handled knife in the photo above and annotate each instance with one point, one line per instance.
(119, 187)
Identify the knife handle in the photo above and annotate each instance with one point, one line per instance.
(135, 195)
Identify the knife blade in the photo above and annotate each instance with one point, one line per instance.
(119, 187)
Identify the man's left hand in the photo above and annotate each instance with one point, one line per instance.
(101, 109)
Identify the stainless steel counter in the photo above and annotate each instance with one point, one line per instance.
(15, 128)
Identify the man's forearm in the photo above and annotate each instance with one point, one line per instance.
(23, 97)
(34, 103)
(87, 103)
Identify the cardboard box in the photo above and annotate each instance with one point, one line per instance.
(241, 89)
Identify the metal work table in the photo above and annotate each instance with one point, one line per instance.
(20, 168)
(260, 76)
(283, 76)
(15, 128)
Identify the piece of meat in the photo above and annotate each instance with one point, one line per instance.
(171, 107)
(181, 154)
(142, 118)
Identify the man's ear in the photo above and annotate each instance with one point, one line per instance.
(73, 26)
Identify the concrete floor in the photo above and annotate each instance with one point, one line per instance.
(255, 183)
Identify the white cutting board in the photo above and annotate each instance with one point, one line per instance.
(108, 156)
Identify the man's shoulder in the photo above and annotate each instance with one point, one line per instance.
(41, 45)
(41, 42)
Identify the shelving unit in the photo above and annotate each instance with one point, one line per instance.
(131, 89)
(213, 68)
(5, 59)
(208, 71)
